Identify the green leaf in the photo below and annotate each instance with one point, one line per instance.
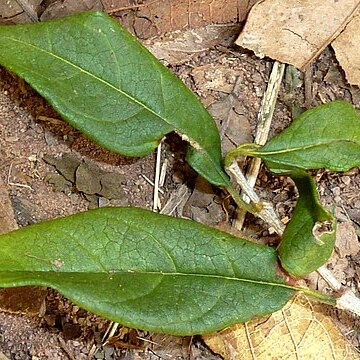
(107, 85)
(327, 136)
(147, 270)
(309, 237)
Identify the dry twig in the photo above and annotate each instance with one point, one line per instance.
(28, 9)
(264, 121)
(156, 204)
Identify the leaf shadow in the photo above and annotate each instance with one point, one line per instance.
(55, 128)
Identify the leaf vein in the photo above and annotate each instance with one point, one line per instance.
(88, 73)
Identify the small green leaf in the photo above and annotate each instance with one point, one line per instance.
(327, 136)
(147, 270)
(107, 85)
(309, 237)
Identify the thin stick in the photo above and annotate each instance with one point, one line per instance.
(163, 172)
(131, 7)
(175, 200)
(15, 184)
(157, 179)
(64, 346)
(308, 86)
(150, 182)
(264, 121)
(30, 12)
(110, 331)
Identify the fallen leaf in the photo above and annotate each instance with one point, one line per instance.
(178, 47)
(156, 17)
(67, 7)
(127, 338)
(215, 77)
(295, 32)
(346, 47)
(299, 331)
(347, 243)
(234, 125)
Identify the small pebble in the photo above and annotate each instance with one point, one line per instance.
(99, 354)
(337, 199)
(346, 180)
(109, 351)
(336, 191)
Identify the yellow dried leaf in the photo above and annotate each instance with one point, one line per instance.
(299, 331)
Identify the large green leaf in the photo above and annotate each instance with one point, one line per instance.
(106, 84)
(147, 270)
(309, 237)
(327, 136)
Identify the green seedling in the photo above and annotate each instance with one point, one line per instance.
(143, 269)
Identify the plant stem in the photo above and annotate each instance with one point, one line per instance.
(252, 208)
(262, 209)
(324, 298)
(157, 178)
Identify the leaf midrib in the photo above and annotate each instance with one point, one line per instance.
(91, 75)
(160, 273)
(300, 148)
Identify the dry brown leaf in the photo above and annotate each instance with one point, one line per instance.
(62, 8)
(346, 47)
(216, 77)
(178, 47)
(152, 18)
(347, 242)
(295, 31)
(234, 125)
(299, 331)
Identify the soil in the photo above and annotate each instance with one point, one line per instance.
(34, 138)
